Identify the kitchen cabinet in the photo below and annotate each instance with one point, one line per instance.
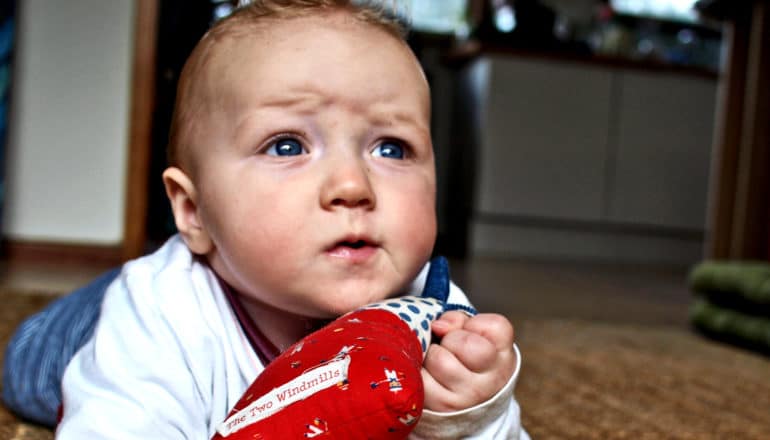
(589, 160)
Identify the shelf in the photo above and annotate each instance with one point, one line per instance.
(468, 51)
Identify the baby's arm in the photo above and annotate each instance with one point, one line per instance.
(131, 380)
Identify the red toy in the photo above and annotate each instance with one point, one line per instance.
(357, 378)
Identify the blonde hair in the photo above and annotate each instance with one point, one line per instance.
(250, 17)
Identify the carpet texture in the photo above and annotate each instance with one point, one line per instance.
(584, 380)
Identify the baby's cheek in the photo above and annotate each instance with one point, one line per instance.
(419, 231)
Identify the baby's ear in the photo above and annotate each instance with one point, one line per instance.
(183, 196)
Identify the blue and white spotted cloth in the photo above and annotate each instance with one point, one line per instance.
(419, 311)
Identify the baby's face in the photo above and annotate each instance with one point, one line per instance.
(315, 166)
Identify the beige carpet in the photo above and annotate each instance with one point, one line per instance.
(583, 380)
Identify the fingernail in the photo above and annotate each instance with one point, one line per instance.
(440, 325)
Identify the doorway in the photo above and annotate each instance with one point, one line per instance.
(181, 23)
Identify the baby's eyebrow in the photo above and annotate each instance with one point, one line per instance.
(308, 103)
(387, 119)
(308, 100)
(303, 101)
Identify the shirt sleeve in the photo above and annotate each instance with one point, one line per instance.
(126, 382)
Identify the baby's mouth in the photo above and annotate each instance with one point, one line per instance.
(358, 244)
(354, 250)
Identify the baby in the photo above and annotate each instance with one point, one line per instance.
(302, 184)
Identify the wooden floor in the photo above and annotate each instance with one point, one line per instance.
(524, 289)
(520, 289)
(47, 278)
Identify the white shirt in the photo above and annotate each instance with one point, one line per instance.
(168, 360)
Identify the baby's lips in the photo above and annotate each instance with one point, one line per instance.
(354, 248)
(352, 254)
(355, 241)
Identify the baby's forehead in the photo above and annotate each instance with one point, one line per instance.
(255, 34)
(238, 56)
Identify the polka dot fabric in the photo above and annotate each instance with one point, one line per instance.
(419, 312)
(416, 312)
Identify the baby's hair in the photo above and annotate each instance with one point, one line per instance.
(249, 18)
(381, 12)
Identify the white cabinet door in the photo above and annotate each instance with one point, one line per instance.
(544, 139)
(660, 174)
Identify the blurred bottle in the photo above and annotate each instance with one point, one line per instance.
(610, 37)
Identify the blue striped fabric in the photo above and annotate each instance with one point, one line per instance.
(42, 347)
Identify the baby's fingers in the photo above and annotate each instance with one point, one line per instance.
(444, 367)
(493, 327)
(448, 322)
(447, 382)
(472, 350)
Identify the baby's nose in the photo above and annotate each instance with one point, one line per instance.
(348, 185)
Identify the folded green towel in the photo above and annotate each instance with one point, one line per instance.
(731, 326)
(742, 281)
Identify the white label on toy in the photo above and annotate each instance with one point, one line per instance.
(299, 388)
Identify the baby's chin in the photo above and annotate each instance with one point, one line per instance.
(331, 299)
(336, 308)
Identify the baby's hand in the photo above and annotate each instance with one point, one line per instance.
(474, 360)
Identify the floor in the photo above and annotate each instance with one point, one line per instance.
(46, 278)
(524, 289)
(520, 289)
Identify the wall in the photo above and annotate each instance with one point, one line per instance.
(68, 127)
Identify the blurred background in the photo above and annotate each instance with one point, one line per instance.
(576, 140)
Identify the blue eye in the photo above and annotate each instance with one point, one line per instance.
(389, 149)
(285, 147)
